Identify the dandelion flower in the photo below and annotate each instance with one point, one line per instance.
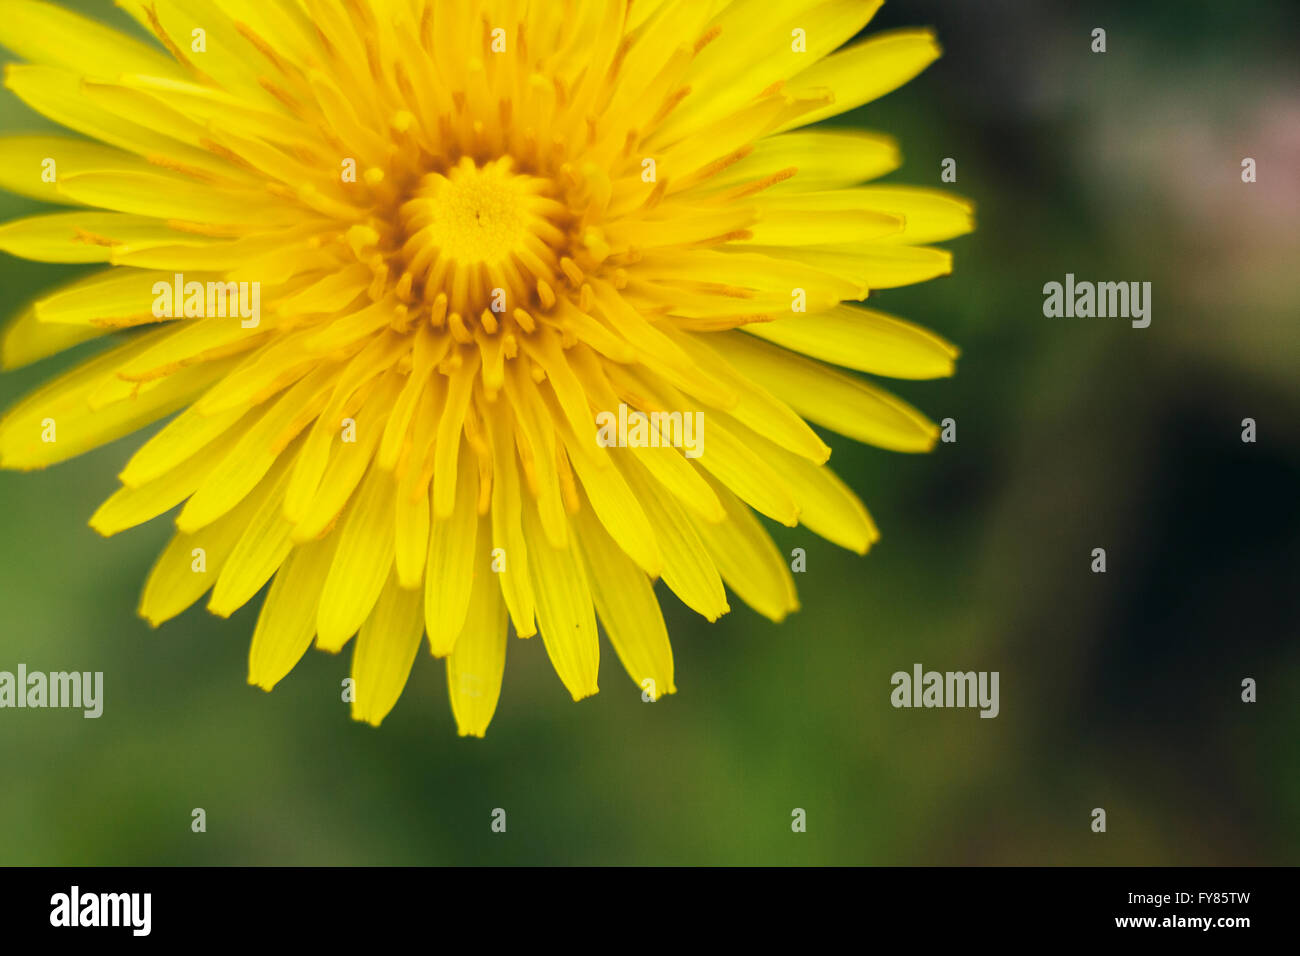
(472, 227)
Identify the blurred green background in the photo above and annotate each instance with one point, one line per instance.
(1119, 690)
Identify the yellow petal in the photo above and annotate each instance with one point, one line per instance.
(31, 165)
(832, 399)
(696, 157)
(113, 298)
(828, 507)
(737, 272)
(226, 55)
(385, 651)
(258, 449)
(677, 475)
(507, 531)
(424, 356)
(869, 265)
(362, 564)
(626, 603)
(330, 295)
(656, 350)
(27, 339)
(131, 506)
(620, 513)
(451, 570)
(825, 505)
(930, 215)
(26, 438)
(447, 447)
(191, 563)
(756, 407)
(188, 344)
(741, 469)
(820, 159)
(677, 224)
(907, 215)
(288, 618)
(864, 71)
(748, 560)
(169, 196)
(78, 236)
(348, 461)
(272, 258)
(475, 667)
(411, 544)
(45, 33)
(58, 95)
(687, 568)
(564, 610)
(863, 339)
(263, 373)
(805, 219)
(756, 48)
(261, 549)
(178, 441)
(533, 423)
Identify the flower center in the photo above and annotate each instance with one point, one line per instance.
(482, 236)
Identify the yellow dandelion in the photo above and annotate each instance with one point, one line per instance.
(475, 313)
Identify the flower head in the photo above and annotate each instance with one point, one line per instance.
(444, 290)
